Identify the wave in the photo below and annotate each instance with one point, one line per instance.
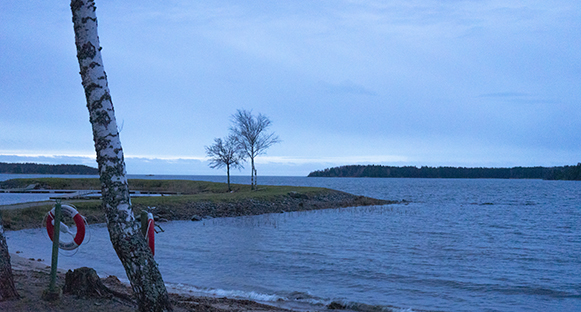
(216, 292)
(296, 300)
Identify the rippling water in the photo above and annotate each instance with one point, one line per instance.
(460, 245)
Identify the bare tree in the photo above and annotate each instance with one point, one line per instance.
(7, 288)
(225, 153)
(126, 237)
(252, 136)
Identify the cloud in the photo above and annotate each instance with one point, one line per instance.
(518, 97)
(179, 166)
(504, 95)
(266, 165)
(339, 79)
(332, 159)
(348, 87)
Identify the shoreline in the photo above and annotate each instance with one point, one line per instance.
(31, 278)
(31, 275)
(194, 207)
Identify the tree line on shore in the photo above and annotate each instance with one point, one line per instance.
(33, 168)
(378, 171)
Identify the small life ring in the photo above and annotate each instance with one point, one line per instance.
(79, 222)
(150, 234)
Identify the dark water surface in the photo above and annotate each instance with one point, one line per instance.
(460, 245)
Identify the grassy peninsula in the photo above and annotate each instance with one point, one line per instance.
(179, 200)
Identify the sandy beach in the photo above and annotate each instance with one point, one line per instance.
(32, 277)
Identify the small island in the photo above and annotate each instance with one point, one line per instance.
(32, 168)
(376, 171)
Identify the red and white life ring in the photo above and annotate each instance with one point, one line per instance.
(79, 222)
(150, 233)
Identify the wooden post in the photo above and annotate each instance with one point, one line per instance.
(53, 293)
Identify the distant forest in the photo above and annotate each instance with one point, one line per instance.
(375, 171)
(31, 168)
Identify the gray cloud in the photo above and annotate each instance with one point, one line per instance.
(343, 78)
(348, 87)
(504, 95)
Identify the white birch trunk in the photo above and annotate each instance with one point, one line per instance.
(124, 231)
(252, 173)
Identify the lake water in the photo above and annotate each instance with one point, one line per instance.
(460, 245)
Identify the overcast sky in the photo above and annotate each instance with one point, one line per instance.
(438, 83)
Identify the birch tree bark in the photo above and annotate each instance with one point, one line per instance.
(7, 288)
(128, 242)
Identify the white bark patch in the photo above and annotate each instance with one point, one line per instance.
(129, 218)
